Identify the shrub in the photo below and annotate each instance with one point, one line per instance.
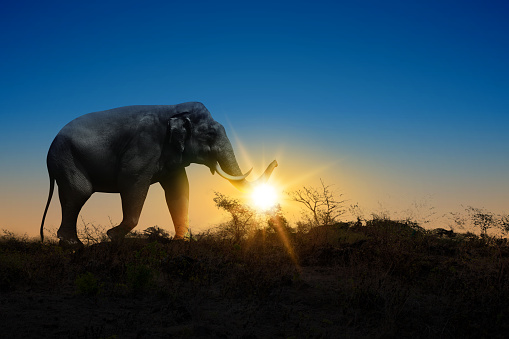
(87, 284)
(91, 233)
(155, 233)
(139, 277)
(11, 271)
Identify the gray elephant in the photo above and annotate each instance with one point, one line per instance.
(125, 150)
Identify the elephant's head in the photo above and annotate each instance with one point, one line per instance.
(198, 138)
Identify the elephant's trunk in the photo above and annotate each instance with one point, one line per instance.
(229, 169)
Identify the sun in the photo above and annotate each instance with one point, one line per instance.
(264, 197)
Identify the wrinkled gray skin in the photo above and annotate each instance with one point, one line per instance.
(125, 150)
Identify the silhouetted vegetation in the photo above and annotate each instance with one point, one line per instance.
(320, 206)
(245, 221)
(242, 218)
(480, 220)
(379, 278)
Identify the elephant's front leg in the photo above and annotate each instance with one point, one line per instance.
(133, 197)
(176, 191)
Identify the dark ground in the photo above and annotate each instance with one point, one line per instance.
(308, 309)
(384, 280)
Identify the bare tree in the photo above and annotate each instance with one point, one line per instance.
(320, 205)
(504, 224)
(482, 219)
(479, 218)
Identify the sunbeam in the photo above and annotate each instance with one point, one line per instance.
(264, 197)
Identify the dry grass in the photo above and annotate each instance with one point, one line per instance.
(383, 279)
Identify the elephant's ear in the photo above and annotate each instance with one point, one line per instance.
(179, 130)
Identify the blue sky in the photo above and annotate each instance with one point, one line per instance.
(401, 100)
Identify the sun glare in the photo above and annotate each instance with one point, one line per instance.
(264, 197)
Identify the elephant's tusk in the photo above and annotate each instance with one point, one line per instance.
(266, 175)
(244, 185)
(227, 176)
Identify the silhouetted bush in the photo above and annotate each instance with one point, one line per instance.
(138, 276)
(385, 278)
(87, 284)
(156, 233)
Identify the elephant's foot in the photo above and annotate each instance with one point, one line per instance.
(183, 237)
(70, 244)
(117, 234)
(182, 232)
(69, 241)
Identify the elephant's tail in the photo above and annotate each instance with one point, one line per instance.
(50, 195)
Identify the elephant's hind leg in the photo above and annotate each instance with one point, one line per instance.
(72, 200)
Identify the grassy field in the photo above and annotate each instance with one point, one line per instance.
(380, 279)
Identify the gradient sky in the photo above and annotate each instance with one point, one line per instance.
(396, 103)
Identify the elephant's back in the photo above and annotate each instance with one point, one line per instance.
(109, 121)
(125, 112)
(128, 114)
(125, 119)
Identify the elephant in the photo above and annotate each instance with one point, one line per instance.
(125, 150)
